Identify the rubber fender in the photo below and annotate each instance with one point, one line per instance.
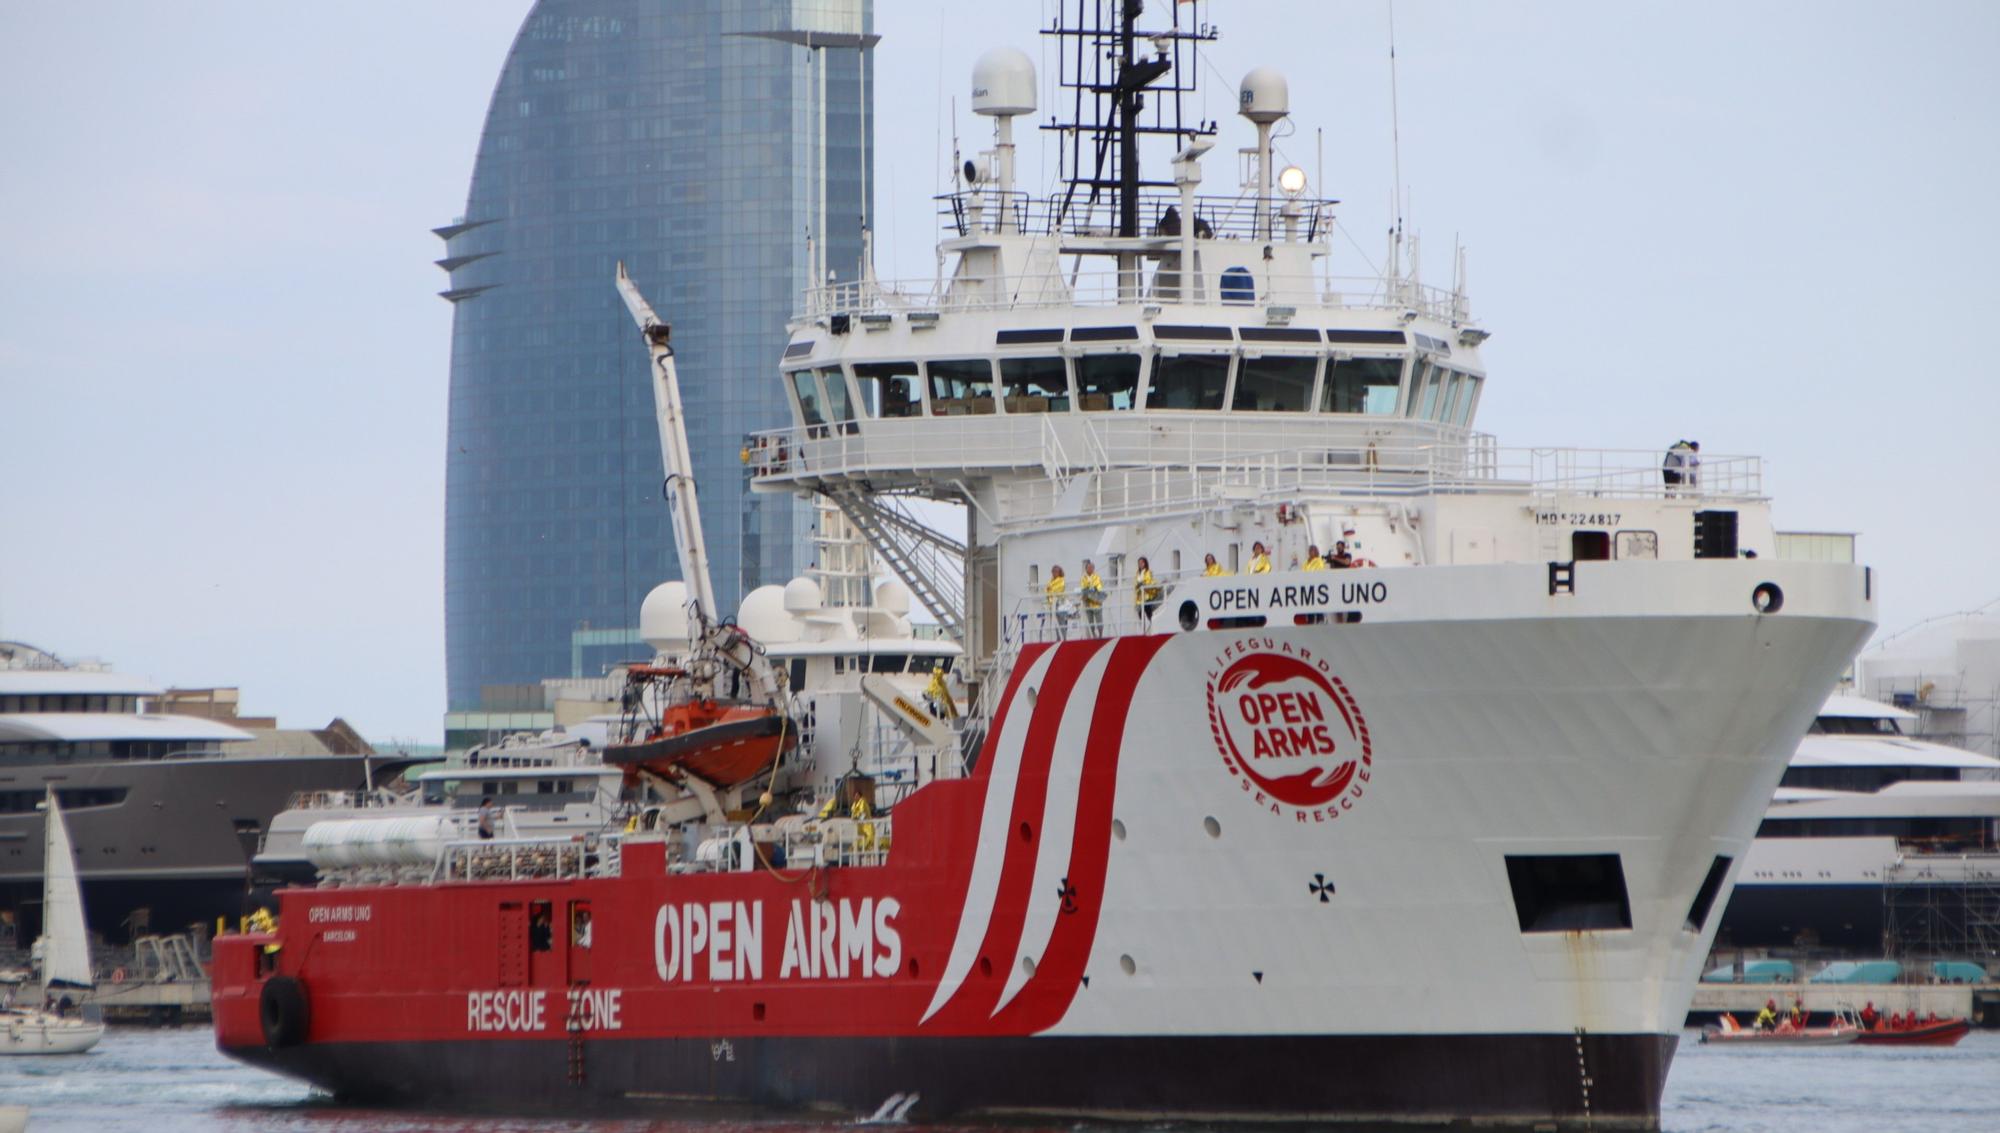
(284, 1011)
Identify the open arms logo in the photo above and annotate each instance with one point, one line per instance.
(1289, 730)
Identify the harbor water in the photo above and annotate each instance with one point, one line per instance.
(155, 1081)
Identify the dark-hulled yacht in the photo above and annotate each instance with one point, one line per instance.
(166, 791)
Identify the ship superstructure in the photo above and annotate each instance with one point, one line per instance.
(1400, 786)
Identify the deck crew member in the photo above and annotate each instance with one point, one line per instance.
(1768, 1017)
(1313, 559)
(1260, 559)
(1869, 1016)
(939, 695)
(486, 817)
(1212, 569)
(1146, 593)
(1092, 592)
(1057, 594)
(1341, 560)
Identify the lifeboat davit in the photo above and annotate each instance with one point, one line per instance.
(722, 742)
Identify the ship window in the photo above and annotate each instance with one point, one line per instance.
(1434, 380)
(808, 392)
(889, 389)
(838, 406)
(1461, 413)
(1188, 381)
(798, 673)
(1704, 898)
(1275, 383)
(888, 663)
(1569, 892)
(961, 386)
(1589, 546)
(1107, 381)
(1361, 385)
(1448, 400)
(1637, 544)
(1035, 385)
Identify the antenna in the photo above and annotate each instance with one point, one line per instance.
(1395, 151)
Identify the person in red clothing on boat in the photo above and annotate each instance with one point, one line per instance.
(1869, 1016)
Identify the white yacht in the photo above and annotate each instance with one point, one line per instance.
(56, 1024)
(1858, 800)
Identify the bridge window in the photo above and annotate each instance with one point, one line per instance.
(1279, 383)
(808, 395)
(1035, 385)
(1188, 381)
(1107, 381)
(1461, 411)
(1361, 385)
(839, 407)
(1433, 385)
(889, 389)
(960, 386)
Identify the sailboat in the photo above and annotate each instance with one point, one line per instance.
(64, 956)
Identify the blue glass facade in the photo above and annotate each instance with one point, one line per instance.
(679, 136)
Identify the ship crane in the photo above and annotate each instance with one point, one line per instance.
(717, 648)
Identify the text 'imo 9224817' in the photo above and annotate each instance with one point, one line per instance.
(1309, 729)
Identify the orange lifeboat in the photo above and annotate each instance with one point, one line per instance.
(722, 742)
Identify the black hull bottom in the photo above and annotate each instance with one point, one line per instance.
(1596, 1081)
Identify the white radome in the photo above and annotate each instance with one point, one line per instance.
(1003, 83)
(663, 619)
(1264, 96)
(802, 596)
(892, 596)
(763, 616)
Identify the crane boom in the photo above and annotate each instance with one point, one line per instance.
(678, 459)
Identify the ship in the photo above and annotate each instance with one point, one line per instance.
(166, 791)
(1351, 768)
(1866, 817)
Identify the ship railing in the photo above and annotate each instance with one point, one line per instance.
(1067, 617)
(792, 842)
(989, 211)
(1131, 288)
(344, 800)
(569, 857)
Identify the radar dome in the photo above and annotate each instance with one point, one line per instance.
(1264, 96)
(1003, 83)
(663, 617)
(892, 596)
(802, 596)
(762, 615)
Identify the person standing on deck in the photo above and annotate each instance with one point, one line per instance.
(1092, 592)
(1058, 598)
(1146, 593)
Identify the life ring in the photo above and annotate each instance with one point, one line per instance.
(284, 1011)
(118, 975)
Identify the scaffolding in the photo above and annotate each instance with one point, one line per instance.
(1942, 907)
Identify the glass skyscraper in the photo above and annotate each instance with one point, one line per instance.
(682, 137)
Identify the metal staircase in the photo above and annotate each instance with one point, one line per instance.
(930, 564)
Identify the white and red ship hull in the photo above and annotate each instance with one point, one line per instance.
(1126, 912)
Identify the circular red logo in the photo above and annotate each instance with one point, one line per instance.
(1290, 727)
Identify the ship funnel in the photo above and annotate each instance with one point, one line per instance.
(1264, 97)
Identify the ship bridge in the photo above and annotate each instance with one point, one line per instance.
(1140, 376)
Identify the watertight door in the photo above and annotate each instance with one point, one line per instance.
(581, 938)
(512, 944)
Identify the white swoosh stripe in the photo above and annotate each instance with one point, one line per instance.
(1058, 821)
(984, 887)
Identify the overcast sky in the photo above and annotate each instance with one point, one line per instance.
(1769, 227)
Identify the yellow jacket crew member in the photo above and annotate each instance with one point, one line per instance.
(1092, 593)
(1146, 593)
(1210, 568)
(1260, 559)
(1057, 593)
(1313, 559)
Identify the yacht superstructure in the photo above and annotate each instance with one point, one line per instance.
(1406, 750)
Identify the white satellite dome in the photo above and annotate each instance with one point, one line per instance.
(763, 616)
(1264, 96)
(802, 596)
(663, 618)
(892, 596)
(1003, 83)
